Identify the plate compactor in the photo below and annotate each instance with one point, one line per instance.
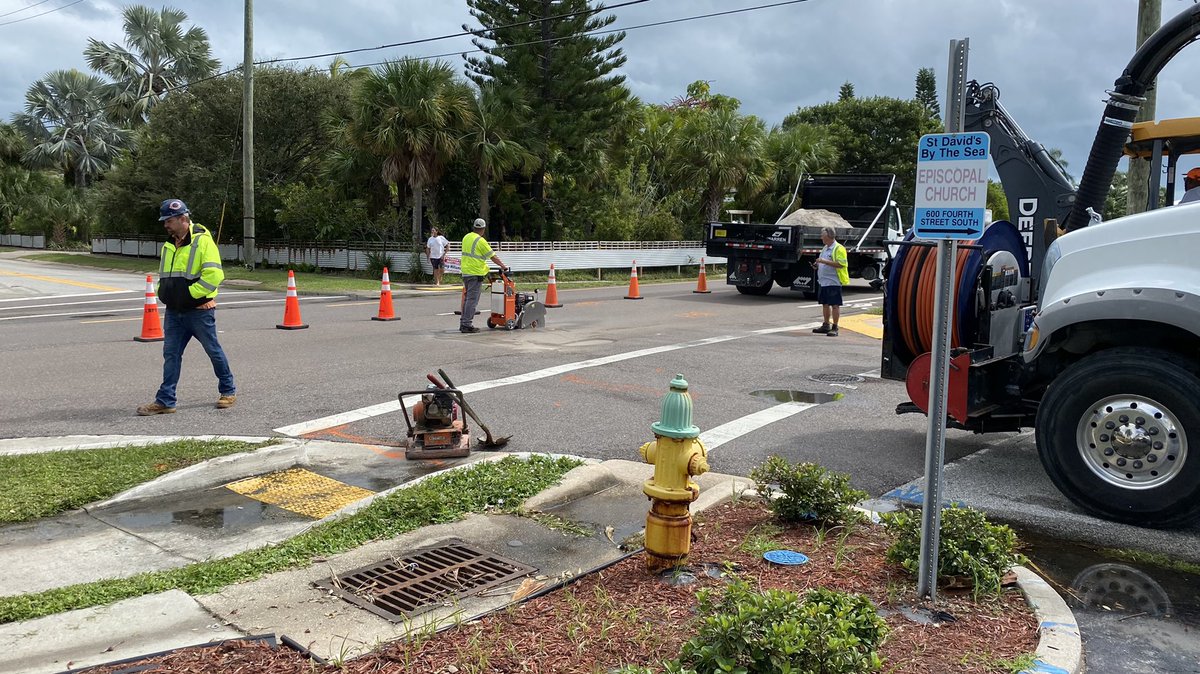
(437, 429)
(512, 310)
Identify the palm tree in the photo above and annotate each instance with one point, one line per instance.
(12, 145)
(414, 114)
(159, 55)
(723, 149)
(67, 126)
(500, 115)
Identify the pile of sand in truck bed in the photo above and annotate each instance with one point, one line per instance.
(816, 217)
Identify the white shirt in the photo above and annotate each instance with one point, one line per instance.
(827, 275)
(437, 246)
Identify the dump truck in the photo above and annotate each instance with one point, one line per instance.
(859, 206)
(1087, 331)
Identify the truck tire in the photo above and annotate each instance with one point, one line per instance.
(755, 290)
(1114, 431)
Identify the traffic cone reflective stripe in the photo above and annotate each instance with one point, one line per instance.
(552, 291)
(291, 309)
(702, 280)
(151, 325)
(633, 284)
(386, 313)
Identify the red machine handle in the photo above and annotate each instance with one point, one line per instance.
(436, 382)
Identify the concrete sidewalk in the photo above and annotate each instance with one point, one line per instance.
(189, 516)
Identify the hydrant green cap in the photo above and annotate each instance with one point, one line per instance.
(676, 421)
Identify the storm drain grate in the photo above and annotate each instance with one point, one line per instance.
(401, 588)
(834, 378)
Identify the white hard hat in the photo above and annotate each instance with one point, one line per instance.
(479, 223)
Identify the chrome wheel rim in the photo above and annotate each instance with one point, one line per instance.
(1132, 442)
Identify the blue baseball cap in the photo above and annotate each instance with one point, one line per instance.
(171, 208)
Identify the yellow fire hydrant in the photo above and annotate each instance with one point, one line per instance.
(677, 454)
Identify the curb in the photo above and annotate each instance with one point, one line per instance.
(1060, 647)
(70, 443)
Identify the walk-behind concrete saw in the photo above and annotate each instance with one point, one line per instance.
(437, 429)
(512, 310)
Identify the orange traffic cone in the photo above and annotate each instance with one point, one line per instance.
(151, 327)
(552, 291)
(385, 301)
(291, 310)
(702, 280)
(633, 284)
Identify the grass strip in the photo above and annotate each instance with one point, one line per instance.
(492, 485)
(45, 484)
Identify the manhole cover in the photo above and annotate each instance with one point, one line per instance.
(834, 378)
(401, 588)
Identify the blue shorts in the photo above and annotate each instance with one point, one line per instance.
(830, 295)
(435, 262)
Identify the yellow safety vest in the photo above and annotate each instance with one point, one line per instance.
(194, 267)
(475, 254)
(839, 256)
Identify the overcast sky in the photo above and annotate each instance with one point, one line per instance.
(1052, 59)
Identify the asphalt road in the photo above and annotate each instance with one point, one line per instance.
(588, 383)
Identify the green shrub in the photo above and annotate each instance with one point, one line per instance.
(376, 263)
(777, 632)
(809, 492)
(969, 545)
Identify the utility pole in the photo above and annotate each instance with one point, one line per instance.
(248, 252)
(1149, 20)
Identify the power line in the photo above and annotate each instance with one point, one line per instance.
(49, 11)
(599, 32)
(18, 11)
(452, 35)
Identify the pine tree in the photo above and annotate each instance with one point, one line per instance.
(846, 92)
(565, 75)
(926, 93)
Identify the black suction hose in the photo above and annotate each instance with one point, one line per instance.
(1123, 104)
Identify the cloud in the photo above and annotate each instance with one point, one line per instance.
(1053, 60)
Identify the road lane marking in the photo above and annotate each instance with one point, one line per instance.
(59, 297)
(122, 299)
(314, 425)
(715, 437)
(142, 308)
(864, 324)
(51, 279)
(352, 304)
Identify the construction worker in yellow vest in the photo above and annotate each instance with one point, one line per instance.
(475, 254)
(189, 273)
(832, 274)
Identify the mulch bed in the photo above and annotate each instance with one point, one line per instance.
(622, 615)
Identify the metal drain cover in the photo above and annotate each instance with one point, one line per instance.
(400, 588)
(834, 378)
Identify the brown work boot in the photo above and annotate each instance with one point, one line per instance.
(225, 402)
(821, 330)
(154, 408)
(832, 332)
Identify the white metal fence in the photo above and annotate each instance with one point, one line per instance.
(22, 241)
(523, 256)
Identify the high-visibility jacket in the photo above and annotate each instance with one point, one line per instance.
(475, 254)
(190, 272)
(839, 256)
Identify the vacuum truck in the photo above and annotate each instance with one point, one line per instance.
(1086, 331)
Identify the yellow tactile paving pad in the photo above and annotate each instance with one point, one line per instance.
(300, 491)
(865, 324)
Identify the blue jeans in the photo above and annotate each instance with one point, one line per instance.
(178, 330)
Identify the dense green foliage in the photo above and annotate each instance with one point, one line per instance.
(807, 492)
(969, 546)
(743, 631)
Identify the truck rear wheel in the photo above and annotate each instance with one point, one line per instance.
(755, 290)
(1113, 434)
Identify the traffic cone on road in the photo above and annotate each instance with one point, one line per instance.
(702, 280)
(151, 325)
(291, 310)
(552, 291)
(386, 313)
(633, 284)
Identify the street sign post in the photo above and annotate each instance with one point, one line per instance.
(950, 199)
(952, 174)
